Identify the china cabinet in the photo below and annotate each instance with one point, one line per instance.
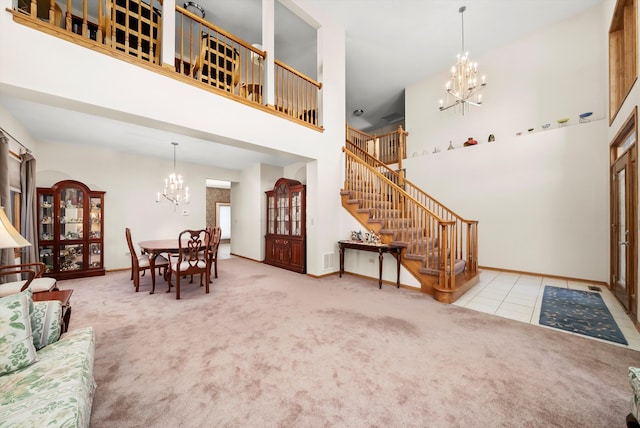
(70, 230)
(285, 241)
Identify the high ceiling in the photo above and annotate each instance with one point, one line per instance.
(390, 44)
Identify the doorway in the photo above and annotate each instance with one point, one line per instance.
(624, 230)
(223, 219)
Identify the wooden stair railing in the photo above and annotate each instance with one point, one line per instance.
(389, 148)
(440, 247)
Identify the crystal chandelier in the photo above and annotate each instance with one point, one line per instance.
(463, 87)
(174, 189)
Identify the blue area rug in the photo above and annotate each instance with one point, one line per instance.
(581, 312)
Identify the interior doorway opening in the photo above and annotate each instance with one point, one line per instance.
(219, 207)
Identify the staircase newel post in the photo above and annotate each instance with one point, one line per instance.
(442, 262)
(401, 174)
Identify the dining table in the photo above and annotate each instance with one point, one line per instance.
(155, 247)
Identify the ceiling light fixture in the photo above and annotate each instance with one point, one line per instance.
(358, 112)
(194, 8)
(463, 87)
(174, 189)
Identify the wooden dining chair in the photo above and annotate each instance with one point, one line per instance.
(216, 234)
(140, 264)
(189, 260)
(211, 251)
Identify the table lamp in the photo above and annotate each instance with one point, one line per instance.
(9, 236)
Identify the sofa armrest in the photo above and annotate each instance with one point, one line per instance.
(46, 322)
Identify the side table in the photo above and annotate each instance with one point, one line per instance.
(63, 296)
(395, 250)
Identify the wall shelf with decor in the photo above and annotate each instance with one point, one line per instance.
(70, 230)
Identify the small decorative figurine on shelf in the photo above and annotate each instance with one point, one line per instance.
(584, 117)
(492, 138)
(470, 142)
(450, 146)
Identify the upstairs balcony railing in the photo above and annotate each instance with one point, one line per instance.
(212, 57)
(388, 148)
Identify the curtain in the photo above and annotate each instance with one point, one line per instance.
(28, 220)
(6, 255)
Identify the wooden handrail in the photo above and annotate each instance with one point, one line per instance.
(409, 218)
(297, 73)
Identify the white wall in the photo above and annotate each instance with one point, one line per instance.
(541, 199)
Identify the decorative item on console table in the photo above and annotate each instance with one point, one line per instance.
(70, 230)
(285, 240)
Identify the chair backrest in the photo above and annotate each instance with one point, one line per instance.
(136, 25)
(220, 63)
(214, 233)
(132, 249)
(191, 243)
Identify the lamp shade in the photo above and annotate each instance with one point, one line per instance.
(9, 236)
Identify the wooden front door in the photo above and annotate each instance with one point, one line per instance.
(624, 230)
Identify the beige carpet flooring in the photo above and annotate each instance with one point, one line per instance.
(272, 348)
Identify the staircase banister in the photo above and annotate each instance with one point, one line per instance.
(370, 159)
(349, 128)
(398, 188)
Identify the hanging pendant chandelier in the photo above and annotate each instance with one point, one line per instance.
(463, 88)
(174, 189)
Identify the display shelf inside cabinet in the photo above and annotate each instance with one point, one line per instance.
(70, 230)
(285, 240)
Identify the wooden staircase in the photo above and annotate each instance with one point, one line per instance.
(440, 247)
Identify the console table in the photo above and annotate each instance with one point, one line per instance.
(64, 296)
(395, 250)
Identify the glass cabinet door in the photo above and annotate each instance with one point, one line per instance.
(95, 218)
(296, 211)
(71, 257)
(282, 199)
(45, 226)
(95, 259)
(71, 210)
(46, 257)
(271, 214)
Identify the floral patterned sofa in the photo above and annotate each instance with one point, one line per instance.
(45, 379)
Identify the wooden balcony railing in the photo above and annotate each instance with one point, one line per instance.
(210, 55)
(296, 94)
(217, 58)
(388, 148)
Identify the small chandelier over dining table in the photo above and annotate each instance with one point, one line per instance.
(174, 189)
(463, 87)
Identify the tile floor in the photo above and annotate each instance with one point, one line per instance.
(519, 297)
